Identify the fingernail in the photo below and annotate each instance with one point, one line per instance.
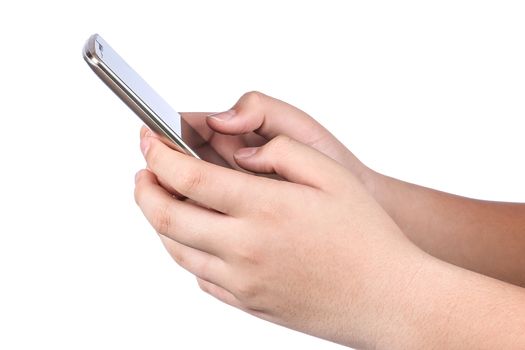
(222, 116)
(246, 152)
(144, 144)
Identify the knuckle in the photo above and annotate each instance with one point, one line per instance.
(190, 181)
(177, 255)
(153, 156)
(280, 143)
(249, 254)
(179, 258)
(272, 210)
(203, 269)
(162, 220)
(203, 285)
(248, 291)
(253, 98)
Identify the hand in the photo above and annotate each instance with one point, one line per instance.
(314, 253)
(257, 118)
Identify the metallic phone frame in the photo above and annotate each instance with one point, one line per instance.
(131, 99)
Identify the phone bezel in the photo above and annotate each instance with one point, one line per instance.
(131, 99)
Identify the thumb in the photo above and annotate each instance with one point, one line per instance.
(268, 117)
(293, 161)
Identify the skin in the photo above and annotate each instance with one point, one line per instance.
(329, 247)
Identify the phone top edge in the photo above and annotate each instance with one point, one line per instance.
(88, 52)
(129, 97)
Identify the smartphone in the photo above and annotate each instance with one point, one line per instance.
(151, 108)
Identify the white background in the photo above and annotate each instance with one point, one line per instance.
(430, 92)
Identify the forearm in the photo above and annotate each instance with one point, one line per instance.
(487, 237)
(448, 307)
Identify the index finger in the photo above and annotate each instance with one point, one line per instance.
(222, 189)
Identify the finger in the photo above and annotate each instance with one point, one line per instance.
(201, 144)
(216, 187)
(293, 161)
(219, 293)
(223, 145)
(229, 298)
(198, 263)
(143, 130)
(226, 145)
(183, 222)
(198, 120)
(268, 117)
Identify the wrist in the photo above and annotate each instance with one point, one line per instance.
(403, 299)
(443, 305)
(376, 185)
(369, 178)
(389, 296)
(390, 193)
(408, 317)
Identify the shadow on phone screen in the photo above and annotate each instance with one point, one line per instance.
(197, 134)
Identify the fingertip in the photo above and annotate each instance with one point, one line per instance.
(145, 144)
(142, 184)
(144, 175)
(143, 130)
(149, 140)
(222, 116)
(138, 175)
(212, 123)
(245, 152)
(223, 122)
(252, 159)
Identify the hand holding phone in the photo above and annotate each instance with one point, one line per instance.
(254, 120)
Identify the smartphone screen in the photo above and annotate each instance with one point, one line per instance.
(137, 85)
(188, 135)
